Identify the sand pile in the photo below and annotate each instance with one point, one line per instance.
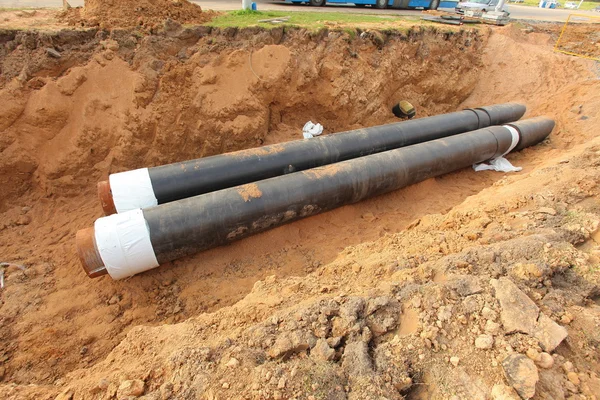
(125, 13)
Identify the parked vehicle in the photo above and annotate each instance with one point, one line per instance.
(571, 5)
(401, 4)
(549, 4)
(597, 9)
(479, 5)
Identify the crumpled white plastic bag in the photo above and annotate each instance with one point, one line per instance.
(500, 164)
(311, 130)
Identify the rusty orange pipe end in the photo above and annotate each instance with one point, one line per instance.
(106, 199)
(88, 253)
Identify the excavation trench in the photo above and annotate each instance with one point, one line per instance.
(116, 101)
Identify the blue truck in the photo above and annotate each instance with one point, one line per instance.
(401, 4)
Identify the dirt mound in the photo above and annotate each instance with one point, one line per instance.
(147, 13)
(400, 296)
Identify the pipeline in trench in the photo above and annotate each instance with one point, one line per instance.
(62, 134)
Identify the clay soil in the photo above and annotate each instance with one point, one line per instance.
(381, 299)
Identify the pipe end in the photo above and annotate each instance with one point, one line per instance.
(106, 198)
(532, 131)
(88, 253)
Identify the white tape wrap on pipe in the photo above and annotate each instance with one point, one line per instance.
(124, 245)
(132, 190)
(515, 138)
(500, 163)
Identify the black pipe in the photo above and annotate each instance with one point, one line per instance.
(199, 223)
(191, 178)
(532, 131)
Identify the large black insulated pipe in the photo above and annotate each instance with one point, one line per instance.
(147, 187)
(135, 241)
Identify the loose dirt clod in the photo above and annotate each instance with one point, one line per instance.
(125, 13)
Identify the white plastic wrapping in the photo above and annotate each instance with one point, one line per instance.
(132, 190)
(501, 164)
(311, 130)
(123, 241)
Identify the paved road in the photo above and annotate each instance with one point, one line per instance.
(518, 12)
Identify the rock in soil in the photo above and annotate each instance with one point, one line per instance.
(521, 374)
(484, 342)
(503, 392)
(133, 388)
(520, 314)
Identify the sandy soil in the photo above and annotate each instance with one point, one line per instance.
(386, 298)
(141, 13)
(581, 39)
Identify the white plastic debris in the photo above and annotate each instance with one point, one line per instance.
(311, 130)
(498, 164)
(501, 164)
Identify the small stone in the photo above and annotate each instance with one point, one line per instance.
(133, 388)
(573, 378)
(416, 302)
(545, 361)
(334, 341)
(568, 366)
(444, 313)
(484, 342)
(454, 361)
(322, 351)
(521, 373)
(232, 363)
(549, 333)
(567, 318)
(103, 384)
(492, 327)
(225, 385)
(281, 383)
(503, 392)
(488, 313)
(52, 53)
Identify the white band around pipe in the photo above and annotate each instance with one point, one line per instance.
(123, 241)
(515, 138)
(132, 190)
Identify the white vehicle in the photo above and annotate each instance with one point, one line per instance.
(571, 5)
(479, 5)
